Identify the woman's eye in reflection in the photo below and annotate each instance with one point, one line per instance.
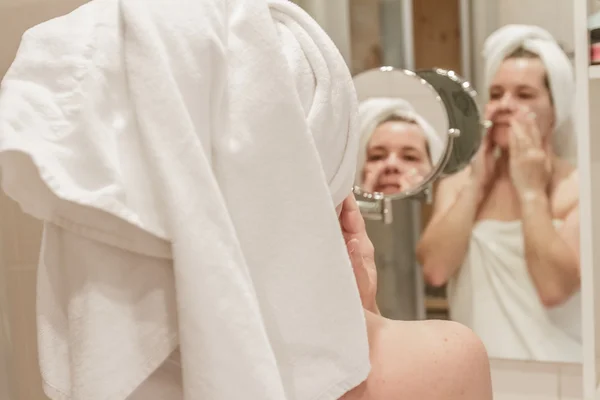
(412, 157)
(526, 96)
(376, 157)
(495, 96)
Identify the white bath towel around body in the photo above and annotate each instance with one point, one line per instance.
(493, 293)
(186, 157)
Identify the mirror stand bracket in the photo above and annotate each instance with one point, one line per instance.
(374, 207)
(377, 207)
(388, 216)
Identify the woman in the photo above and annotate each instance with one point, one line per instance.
(504, 233)
(118, 314)
(423, 360)
(398, 147)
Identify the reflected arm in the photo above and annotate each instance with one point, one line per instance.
(445, 242)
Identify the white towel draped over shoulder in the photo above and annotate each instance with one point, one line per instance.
(509, 38)
(209, 141)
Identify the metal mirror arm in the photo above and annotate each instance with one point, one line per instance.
(374, 206)
(377, 207)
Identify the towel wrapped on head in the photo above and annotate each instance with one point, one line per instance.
(373, 111)
(186, 157)
(506, 40)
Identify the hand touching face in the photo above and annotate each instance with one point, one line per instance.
(361, 252)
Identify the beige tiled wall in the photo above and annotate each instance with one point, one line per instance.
(524, 380)
(20, 237)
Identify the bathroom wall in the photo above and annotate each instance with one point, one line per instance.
(19, 236)
(332, 15)
(554, 15)
(524, 380)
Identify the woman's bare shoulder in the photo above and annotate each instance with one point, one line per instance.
(565, 191)
(426, 360)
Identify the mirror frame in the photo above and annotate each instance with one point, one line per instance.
(447, 152)
(377, 206)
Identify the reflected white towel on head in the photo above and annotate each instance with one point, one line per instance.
(509, 38)
(374, 111)
(215, 140)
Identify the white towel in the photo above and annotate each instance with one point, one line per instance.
(509, 38)
(494, 295)
(220, 134)
(375, 110)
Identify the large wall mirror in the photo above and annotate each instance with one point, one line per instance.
(451, 110)
(415, 128)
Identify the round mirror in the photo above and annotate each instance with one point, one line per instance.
(414, 128)
(404, 130)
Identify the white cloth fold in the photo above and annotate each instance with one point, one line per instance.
(213, 139)
(375, 110)
(494, 295)
(509, 38)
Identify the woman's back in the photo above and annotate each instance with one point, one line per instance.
(425, 360)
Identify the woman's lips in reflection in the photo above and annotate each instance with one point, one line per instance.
(501, 120)
(388, 188)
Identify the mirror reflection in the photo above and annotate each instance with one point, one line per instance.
(504, 232)
(485, 230)
(399, 147)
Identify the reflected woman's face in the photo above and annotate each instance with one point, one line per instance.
(519, 82)
(396, 154)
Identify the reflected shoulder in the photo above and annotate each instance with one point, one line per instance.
(565, 194)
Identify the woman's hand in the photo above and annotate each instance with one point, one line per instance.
(361, 252)
(413, 178)
(530, 163)
(371, 177)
